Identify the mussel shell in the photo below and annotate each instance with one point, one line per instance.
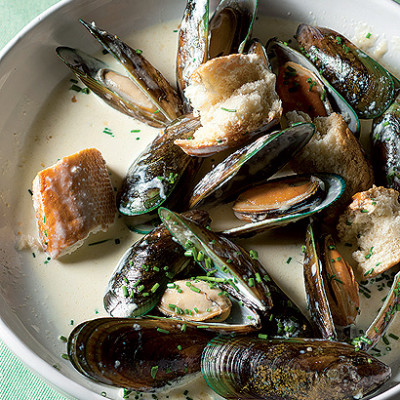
(385, 150)
(158, 170)
(144, 75)
(231, 26)
(365, 84)
(250, 165)
(301, 369)
(235, 270)
(137, 354)
(333, 188)
(142, 274)
(192, 43)
(87, 68)
(333, 100)
(317, 299)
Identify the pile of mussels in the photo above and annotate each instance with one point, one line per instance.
(249, 340)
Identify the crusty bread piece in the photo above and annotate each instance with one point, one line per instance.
(333, 148)
(72, 199)
(234, 95)
(372, 222)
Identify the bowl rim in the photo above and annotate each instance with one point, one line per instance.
(67, 386)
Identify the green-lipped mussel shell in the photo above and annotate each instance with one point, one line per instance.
(138, 354)
(142, 274)
(385, 150)
(317, 299)
(149, 80)
(301, 369)
(240, 274)
(330, 97)
(159, 170)
(250, 165)
(192, 43)
(231, 26)
(364, 83)
(236, 272)
(332, 187)
(87, 68)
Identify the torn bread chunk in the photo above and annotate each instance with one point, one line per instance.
(72, 199)
(372, 223)
(334, 149)
(234, 95)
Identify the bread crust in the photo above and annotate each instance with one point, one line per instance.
(72, 199)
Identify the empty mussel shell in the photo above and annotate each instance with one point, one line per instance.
(364, 83)
(250, 165)
(331, 187)
(137, 354)
(301, 369)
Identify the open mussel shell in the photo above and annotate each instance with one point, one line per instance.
(318, 97)
(385, 149)
(364, 83)
(224, 261)
(250, 165)
(192, 43)
(91, 71)
(331, 187)
(148, 79)
(231, 26)
(137, 354)
(252, 368)
(155, 174)
(143, 272)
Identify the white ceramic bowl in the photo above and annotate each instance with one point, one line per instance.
(29, 71)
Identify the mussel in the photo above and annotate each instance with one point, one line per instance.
(240, 274)
(302, 88)
(143, 272)
(366, 85)
(251, 164)
(385, 139)
(155, 174)
(301, 369)
(316, 193)
(139, 354)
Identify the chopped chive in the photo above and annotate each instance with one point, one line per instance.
(125, 291)
(183, 328)
(179, 347)
(251, 282)
(140, 288)
(153, 371)
(258, 277)
(228, 109)
(65, 356)
(135, 130)
(263, 336)
(369, 255)
(253, 254)
(369, 272)
(288, 260)
(368, 35)
(30, 192)
(162, 331)
(195, 289)
(393, 336)
(138, 51)
(65, 340)
(155, 287)
(75, 88)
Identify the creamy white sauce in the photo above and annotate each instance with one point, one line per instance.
(57, 292)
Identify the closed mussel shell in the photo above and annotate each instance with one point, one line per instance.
(141, 354)
(301, 369)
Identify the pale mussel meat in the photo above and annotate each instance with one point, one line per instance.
(365, 84)
(138, 354)
(143, 272)
(301, 369)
